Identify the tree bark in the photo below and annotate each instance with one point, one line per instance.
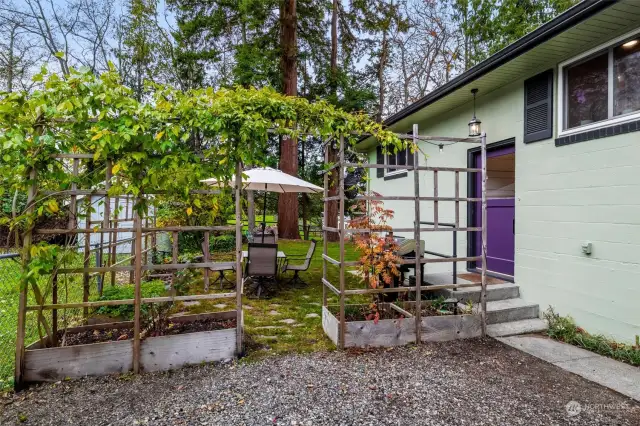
(288, 203)
(381, 66)
(332, 206)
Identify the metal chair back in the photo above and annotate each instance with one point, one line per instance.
(262, 260)
(307, 261)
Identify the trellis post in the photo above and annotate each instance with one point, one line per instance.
(325, 233)
(138, 291)
(343, 322)
(416, 236)
(239, 318)
(22, 298)
(483, 290)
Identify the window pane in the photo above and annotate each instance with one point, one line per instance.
(402, 157)
(391, 160)
(626, 71)
(587, 92)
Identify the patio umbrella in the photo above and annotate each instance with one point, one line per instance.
(272, 180)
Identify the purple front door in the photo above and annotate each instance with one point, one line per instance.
(500, 210)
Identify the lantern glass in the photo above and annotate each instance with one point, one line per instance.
(474, 127)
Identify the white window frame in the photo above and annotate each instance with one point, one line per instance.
(397, 171)
(611, 120)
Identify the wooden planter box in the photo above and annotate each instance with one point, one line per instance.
(156, 353)
(397, 332)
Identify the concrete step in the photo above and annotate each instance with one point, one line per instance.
(534, 325)
(508, 310)
(494, 292)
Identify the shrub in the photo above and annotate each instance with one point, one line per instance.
(120, 292)
(223, 243)
(566, 330)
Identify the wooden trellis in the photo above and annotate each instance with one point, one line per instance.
(342, 292)
(108, 229)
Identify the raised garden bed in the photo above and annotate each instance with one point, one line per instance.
(396, 325)
(101, 349)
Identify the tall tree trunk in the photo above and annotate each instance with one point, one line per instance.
(288, 203)
(332, 206)
(10, 58)
(381, 66)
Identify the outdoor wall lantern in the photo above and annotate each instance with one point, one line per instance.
(474, 124)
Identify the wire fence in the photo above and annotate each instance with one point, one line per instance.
(9, 290)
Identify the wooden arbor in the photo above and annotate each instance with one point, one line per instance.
(36, 363)
(342, 292)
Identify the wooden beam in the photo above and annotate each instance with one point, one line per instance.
(483, 291)
(24, 283)
(330, 286)
(205, 247)
(174, 259)
(160, 299)
(137, 294)
(88, 229)
(343, 321)
(416, 231)
(239, 277)
(325, 235)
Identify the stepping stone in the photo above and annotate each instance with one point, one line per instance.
(274, 305)
(247, 307)
(315, 304)
(191, 303)
(311, 316)
(220, 306)
(298, 325)
(269, 327)
(306, 296)
(274, 313)
(288, 321)
(267, 337)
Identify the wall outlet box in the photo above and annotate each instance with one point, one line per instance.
(587, 247)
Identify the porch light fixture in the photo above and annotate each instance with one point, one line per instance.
(474, 124)
(630, 43)
(441, 146)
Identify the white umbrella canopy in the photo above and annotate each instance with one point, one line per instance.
(272, 180)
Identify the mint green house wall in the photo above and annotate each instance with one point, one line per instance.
(588, 191)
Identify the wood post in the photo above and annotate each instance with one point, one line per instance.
(416, 233)
(87, 255)
(133, 245)
(114, 257)
(174, 259)
(457, 195)
(106, 222)
(24, 285)
(205, 251)
(483, 291)
(435, 200)
(137, 292)
(325, 233)
(239, 317)
(343, 321)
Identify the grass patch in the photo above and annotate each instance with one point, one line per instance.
(565, 329)
(265, 334)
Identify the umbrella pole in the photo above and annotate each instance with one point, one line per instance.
(264, 213)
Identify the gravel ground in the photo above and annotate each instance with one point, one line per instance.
(476, 382)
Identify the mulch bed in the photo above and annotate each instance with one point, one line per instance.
(171, 328)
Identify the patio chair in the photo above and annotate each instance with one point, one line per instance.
(261, 266)
(296, 280)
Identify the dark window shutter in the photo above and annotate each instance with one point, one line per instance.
(379, 160)
(538, 107)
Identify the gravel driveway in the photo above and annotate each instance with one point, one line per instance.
(476, 382)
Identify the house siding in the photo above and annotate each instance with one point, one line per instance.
(565, 195)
